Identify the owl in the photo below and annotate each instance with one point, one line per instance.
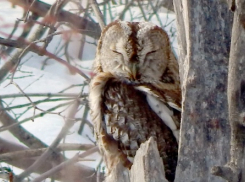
(135, 94)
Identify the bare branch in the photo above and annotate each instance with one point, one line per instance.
(69, 122)
(30, 153)
(77, 172)
(81, 23)
(39, 50)
(98, 13)
(51, 16)
(121, 15)
(10, 126)
(68, 95)
(19, 132)
(67, 163)
(142, 10)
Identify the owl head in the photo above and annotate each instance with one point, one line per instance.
(138, 51)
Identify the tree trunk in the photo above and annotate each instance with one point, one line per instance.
(234, 170)
(204, 29)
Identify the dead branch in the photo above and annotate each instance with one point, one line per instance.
(127, 6)
(98, 13)
(16, 124)
(147, 166)
(36, 49)
(19, 132)
(53, 13)
(7, 146)
(80, 23)
(65, 164)
(52, 148)
(68, 95)
(77, 172)
(34, 153)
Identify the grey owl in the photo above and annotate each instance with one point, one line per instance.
(135, 94)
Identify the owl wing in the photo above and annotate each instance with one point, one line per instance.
(126, 121)
(165, 101)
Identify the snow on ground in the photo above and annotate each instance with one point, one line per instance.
(47, 127)
(54, 78)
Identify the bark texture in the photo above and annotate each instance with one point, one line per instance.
(204, 29)
(234, 170)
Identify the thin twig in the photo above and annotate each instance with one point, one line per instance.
(51, 16)
(4, 128)
(142, 10)
(34, 106)
(39, 50)
(25, 18)
(40, 8)
(71, 161)
(121, 15)
(36, 103)
(19, 132)
(69, 122)
(6, 96)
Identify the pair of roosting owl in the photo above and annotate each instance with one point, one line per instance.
(135, 94)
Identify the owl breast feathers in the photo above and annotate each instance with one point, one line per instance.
(135, 94)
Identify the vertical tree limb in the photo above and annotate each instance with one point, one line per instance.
(234, 171)
(147, 166)
(204, 29)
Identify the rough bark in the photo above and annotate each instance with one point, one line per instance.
(231, 4)
(148, 164)
(204, 29)
(234, 170)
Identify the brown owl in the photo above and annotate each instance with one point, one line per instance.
(135, 94)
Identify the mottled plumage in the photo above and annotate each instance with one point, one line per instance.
(135, 94)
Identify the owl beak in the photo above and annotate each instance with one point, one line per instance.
(134, 70)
